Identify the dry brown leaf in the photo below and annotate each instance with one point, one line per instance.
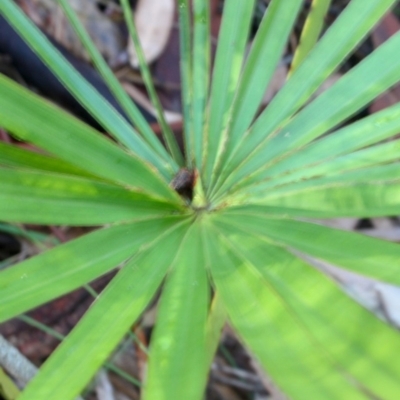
(154, 21)
(48, 15)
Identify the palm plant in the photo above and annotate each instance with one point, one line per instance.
(233, 247)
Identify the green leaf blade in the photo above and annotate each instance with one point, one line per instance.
(311, 30)
(46, 198)
(359, 200)
(342, 37)
(357, 88)
(177, 348)
(259, 68)
(167, 133)
(186, 71)
(227, 67)
(109, 118)
(215, 324)
(365, 255)
(365, 132)
(285, 349)
(16, 157)
(126, 102)
(352, 191)
(37, 121)
(370, 157)
(201, 62)
(88, 346)
(324, 311)
(71, 265)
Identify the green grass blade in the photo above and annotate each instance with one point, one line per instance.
(186, 67)
(99, 108)
(201, 63)
(126, 102)
(367, 80)
(362, 254)
(47, 198)
(90, 343)
(311, 31)
(320, 308)
(177, 348)
(35, 120)
(258, 71)
(229, 58)
(285, 349)
(17, 157)
(168, 135)
(71, 265)
(342, 37)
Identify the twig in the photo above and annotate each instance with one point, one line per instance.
(104, 387)
(16, 364)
